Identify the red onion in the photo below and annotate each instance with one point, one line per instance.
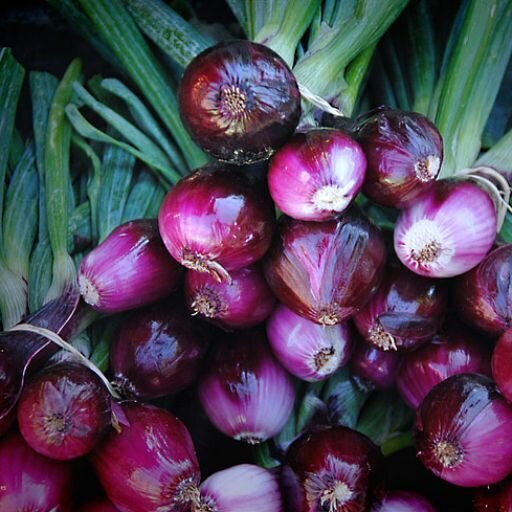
(245, 487)
(307, 350)
(215, 220)
(31, 482)
(316, 175)
(64, 411)
(244, 391)
(406, 311)
(244, 302)
(100, 505)
(157, 351)
(404, 152)
(150, 465)
(330, 469)
(494, 498)
(484, 295)
(129, 269)
(239, 101)
(402, 501)
(463, 431)
(501, 364)
(326, 271)
(447, 231)
(450, 353)
(9, 384)
(374, 365)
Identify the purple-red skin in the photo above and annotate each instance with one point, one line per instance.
(244, 390)
(239, 101)
(326, 271)
(463, 431)
(324, 456)
(157, 351)
(245, 302)
(99, 505)
(501, 364)
(408, 307)
(450, 353)
(494, 498)
(394, 142)
(29, 481)
(402, 501)
(313, 160)
(483, 296)
(215, 217)
(129, 269)
(64, 411)
(150, 465)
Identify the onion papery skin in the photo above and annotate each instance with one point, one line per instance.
(447, 231)
(9, 385)
(330, 468)
(405, 312)
(307, 350)
(494, 498)
(374, 365)
(100, 505)
(402, 501)
(30, 482)
(244, 391)
(326, 271)
(404, 151)
(463, 431)
(157, 351)
(452, 352)
(316, 175)
(502, 364)
(129, 269)
(239, 101)
(244, 302)
(216, 221)
(150, 465)
(64, 411)
(484, 294)
(243, 487)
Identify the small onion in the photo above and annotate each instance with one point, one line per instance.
(484, 295)
(244, 302)
(326, 271)
(64, 411)
(453, 352)
(307, 350)
(215, 220)
(316, 175)
(463, 431)
(244, 391)
(447, 231)
(239, 101)
(129, 269)
(494, 498)
(406, 311)
(244, 487)
(150, 464)
(402, 501)
(501, 364)
(404, 152)
(330, 469)
(157, 351)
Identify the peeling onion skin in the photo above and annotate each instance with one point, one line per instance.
(239, 101)
(463, 431)
(326, 271)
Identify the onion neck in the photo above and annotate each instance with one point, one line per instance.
(331, 198)
(325, 361)
(207, 303)
(447, 454)
(427, 168)
(88, 290)
(381, 338)
(202, 263)
(329, 493)
(250, 437)
(205, 504)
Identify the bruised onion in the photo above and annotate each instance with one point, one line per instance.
(402, 501)
(501, 364)
(244, 302)
(404, 151)
(326, 271)
(150, 464)
(215, 221)
(239, 101)
(29, 481)
(157, 351)
(316, 175)
(64, 411)
(463, 431)
(484, 295)
(406, 310)
(129, 269)
(307, 350)
(244, 391)
(447, 231)
(330, 469)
